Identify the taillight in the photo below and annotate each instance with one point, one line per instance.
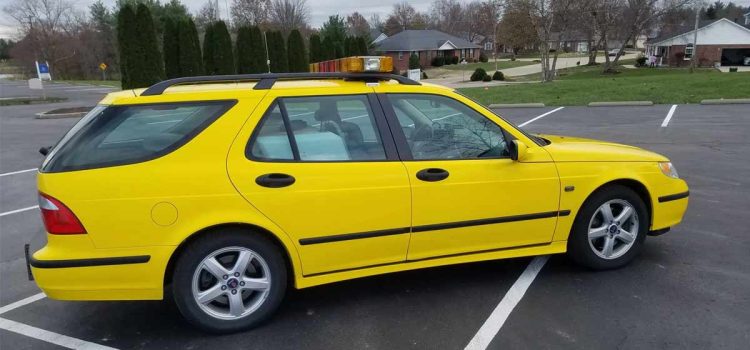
(58, 219)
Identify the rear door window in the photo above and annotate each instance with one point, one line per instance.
(118, 135)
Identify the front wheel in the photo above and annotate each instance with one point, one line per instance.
(229, 281)
(610, 229)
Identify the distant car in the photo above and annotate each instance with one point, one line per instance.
(613, 52)
(747, 60)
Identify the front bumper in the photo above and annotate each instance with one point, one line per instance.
(668, 209)
(99, 274)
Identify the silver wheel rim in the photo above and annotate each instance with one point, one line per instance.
(231, 283)
(613, 229)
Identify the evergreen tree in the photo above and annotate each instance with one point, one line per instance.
(222, 50)
(150, 65)
(348, 46)
(190, 60)
(127, 45)
(297, 55)
(327, 50)
(277, 52)
(242, 49)
(171, 48)
(362, 44)
(260, 64)
(315, 48)
(209, 66)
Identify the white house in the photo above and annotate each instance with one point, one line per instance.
(719, 42)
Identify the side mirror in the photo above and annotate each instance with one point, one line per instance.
(517, 150)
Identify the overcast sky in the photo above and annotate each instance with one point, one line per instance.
(319, 9)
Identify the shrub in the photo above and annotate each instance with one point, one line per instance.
(487, 78)
(413, 61)
(454, 60)
(498, 75)
(438, 61)
(424, 75)
(640, 61)
(478, 75)
(482, 57)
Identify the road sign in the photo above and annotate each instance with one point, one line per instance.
(103, 66)
(42, 70)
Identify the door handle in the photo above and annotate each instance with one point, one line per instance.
(432, 174)
(275, 180)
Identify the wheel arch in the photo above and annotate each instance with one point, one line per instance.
(636, 186)
(290, 262)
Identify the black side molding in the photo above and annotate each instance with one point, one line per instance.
(674, 197)
(120, 260)
(350, 236)
(490, 221)
(432, 227)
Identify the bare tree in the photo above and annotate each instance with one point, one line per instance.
(250, 12)
(447, 16)
(357, 25)
(403, 17)
(377, 23)
(548, 17)
(46, 27)
(207, 14)
(286, 15)
(516, 31)
(634, 17)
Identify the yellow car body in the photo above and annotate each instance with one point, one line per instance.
(340, 220)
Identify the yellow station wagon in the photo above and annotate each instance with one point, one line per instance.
(228, 190)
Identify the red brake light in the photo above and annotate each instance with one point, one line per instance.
(58, 219)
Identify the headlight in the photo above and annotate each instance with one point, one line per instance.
(668, 169)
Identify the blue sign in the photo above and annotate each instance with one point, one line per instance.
(43, 68)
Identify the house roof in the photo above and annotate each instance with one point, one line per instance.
(421, 40)
(687, 29)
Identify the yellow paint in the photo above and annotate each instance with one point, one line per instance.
(150, 208)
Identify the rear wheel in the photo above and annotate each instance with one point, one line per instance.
(229, 281)
(610, 229)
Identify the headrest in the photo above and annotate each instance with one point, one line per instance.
(328, 111)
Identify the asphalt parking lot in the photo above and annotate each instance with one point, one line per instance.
(689, 289)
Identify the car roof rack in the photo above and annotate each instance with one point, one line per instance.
(267, 80)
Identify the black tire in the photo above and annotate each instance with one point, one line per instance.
(193, 255)
(579, 249)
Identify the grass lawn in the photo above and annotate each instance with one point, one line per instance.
(488, 66)
(113, 83)
(581, 85)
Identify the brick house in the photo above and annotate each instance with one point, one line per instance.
(720, 42)
(428, 44)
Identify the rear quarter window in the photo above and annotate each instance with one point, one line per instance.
(119, 135)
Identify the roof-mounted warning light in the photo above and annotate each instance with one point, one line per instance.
(355, 64)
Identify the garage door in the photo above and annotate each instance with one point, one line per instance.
(735, 57)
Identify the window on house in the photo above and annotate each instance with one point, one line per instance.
(400, 55)
(689, 51)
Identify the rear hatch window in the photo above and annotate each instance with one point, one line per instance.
(118, 135)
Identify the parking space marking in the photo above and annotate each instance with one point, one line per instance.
(540, 117)
(50, 337)
(22, 302)
(498, 316)
(19, 210)
(18, 172)
(669, 116)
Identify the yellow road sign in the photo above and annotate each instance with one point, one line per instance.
(102, 66)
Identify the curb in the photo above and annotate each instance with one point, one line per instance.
(620, 103)
(45, 115)
(726, 101)
(516, 105)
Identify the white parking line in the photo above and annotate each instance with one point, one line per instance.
(498, 317)
(50, 337)
(669, 116)
(540, 117)
(19, 210)
(18, 172)
(22, 302)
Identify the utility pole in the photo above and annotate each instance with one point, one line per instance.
(694, 57)
(268, 59)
